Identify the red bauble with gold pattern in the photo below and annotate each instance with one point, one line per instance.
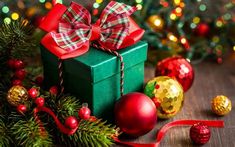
(177, 68)
(135, 114)
(200, 133)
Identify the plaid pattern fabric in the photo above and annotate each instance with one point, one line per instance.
(75, 27)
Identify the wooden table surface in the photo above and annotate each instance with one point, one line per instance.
(211, 79)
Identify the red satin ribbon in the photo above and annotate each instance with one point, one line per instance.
(166, 127)
(50, 24)
(62, 128)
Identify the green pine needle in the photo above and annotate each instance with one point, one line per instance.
(5, 139)
(27, 134)
(16, 39)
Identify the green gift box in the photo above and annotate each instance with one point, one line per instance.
(94, 77)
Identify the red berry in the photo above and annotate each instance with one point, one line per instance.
(19, 64)
(33, 92)
(20, 74)
(84, 113)
(21, 108)
(40, 102)
(16, 82)
(11, 63)
(39, 80)
(53, 90)
(71, 122)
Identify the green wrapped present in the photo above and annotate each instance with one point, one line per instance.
(94, 77)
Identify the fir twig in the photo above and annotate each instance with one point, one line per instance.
(5, 139)
(27, 133)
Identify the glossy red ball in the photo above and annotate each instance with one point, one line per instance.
(200, 133)
(40, 102)
(177, 68)
(71, 122)
(18, 64)
(33, 92)
(135, 114)
(20, 74)
(21, 108)
(84, 113)
(202, 29)
(16, 82)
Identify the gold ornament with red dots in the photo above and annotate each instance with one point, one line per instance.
(221, 105)
(17, 95)
(167, 94)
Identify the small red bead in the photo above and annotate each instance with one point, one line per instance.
(200, 133)
(84, 113)
(11, 63)
(53, 90)
(18, 64)
(17, 82)
(21, 108)
(40, 102)
(33, 92)
(39, 80)
(71, 122)
(20, 74)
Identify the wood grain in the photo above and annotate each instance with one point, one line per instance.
(211, 79)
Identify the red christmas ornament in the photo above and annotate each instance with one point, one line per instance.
(11, 63)
(18, 64)
(202, 29)
(53, 90)
(135, 114)
(33, 92)
(40, 102)
(21, 108)
(178, 68)
(16, 82)
(71, 122)
(84, 112)
(200, 133)
(20, 74)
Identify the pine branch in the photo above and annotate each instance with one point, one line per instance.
(16, 39)
(5, 139)
(91, 134)
(27, 133)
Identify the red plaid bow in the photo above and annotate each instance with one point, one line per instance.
(71, 30)
(75, 27)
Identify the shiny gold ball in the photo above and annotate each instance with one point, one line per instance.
(17, 95)
(155, 22)
(168, 93)
(221, 105)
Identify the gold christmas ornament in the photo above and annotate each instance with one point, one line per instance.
(221, 105)
(167, 94)
(155, 22)
(17, 95)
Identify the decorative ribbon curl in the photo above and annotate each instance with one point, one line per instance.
(161, 133)
(71, 30)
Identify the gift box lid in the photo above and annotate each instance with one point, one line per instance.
(96, 65)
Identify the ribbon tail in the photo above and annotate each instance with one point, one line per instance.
(62, 128)
(161, 133)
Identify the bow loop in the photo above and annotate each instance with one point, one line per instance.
(75, 31)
